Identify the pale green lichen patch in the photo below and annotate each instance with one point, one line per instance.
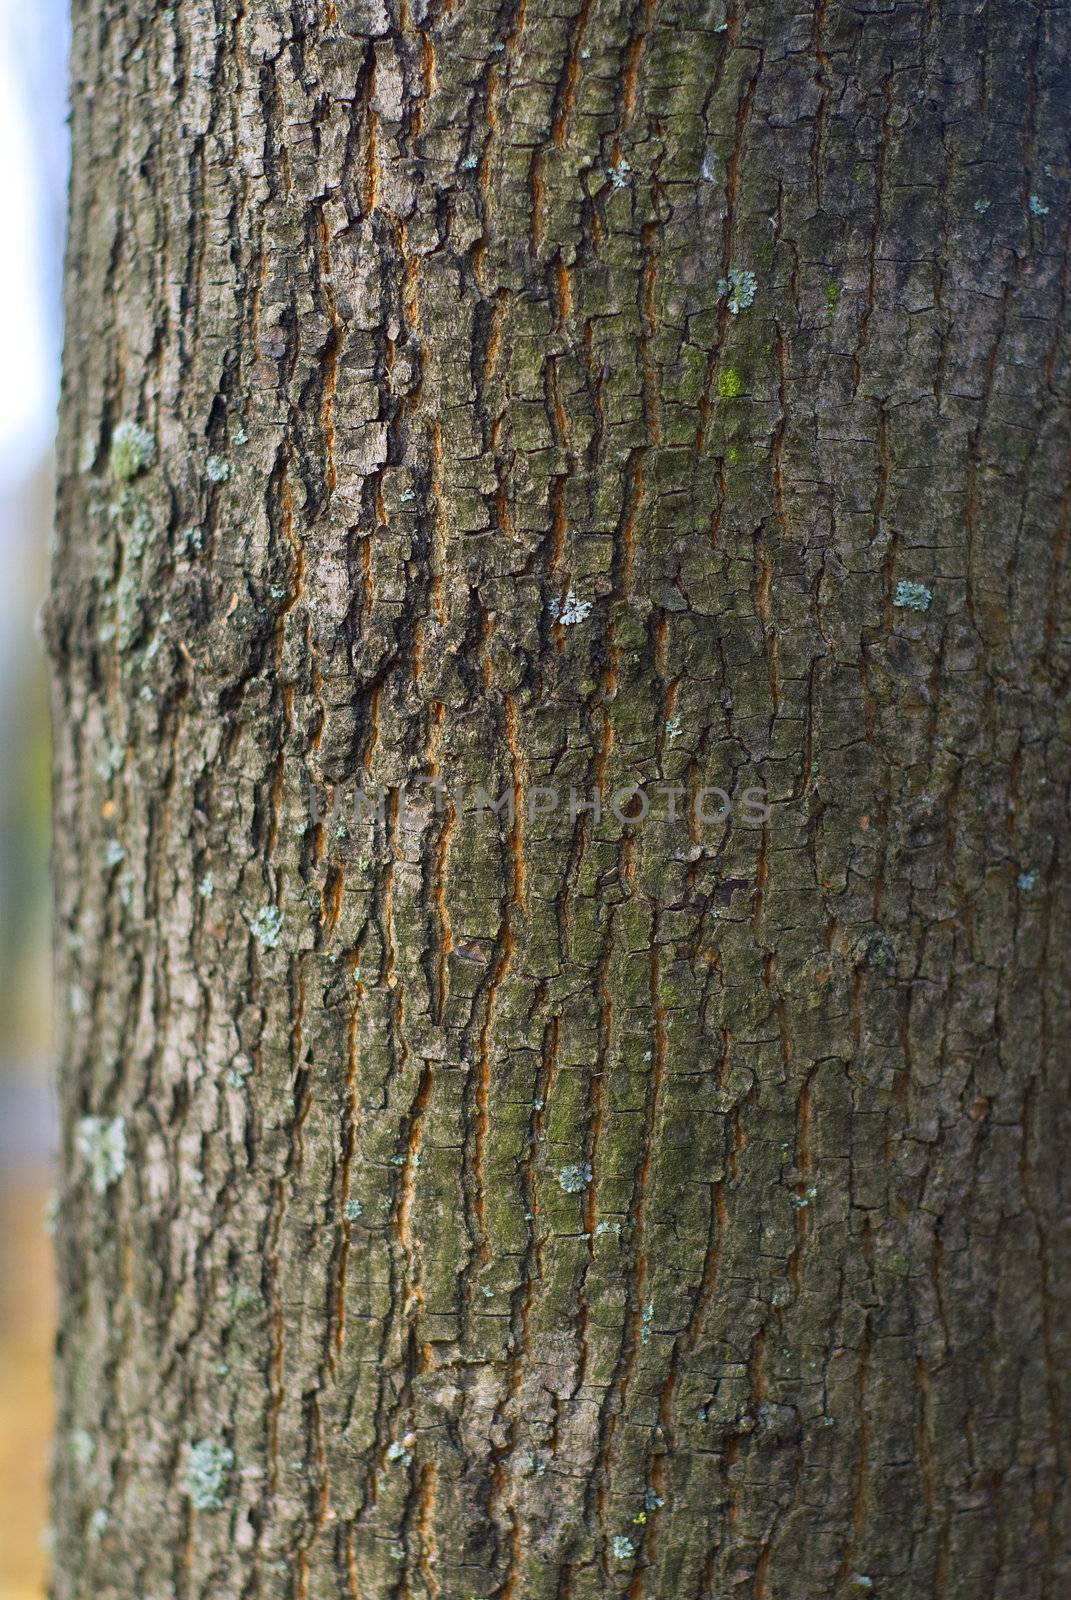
(1027, 881)
(1038, 207)
(239, 1073)
(576, 1177)
(623, 1547)
(352, 1210)
(740, 285)
(912, 596)
(207, 1476)
(217, 469)
(832, 293)
(81, 1447)
(207, 887)
(266, 926)
(133, 450)
(133, 516)
(101, 1143)
(730, 384)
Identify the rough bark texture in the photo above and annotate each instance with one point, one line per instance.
(564, 1207)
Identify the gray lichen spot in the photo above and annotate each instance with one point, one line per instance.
(352, 1210)
(740, 286)
(98, 1522)
(266, 926)
(101, 1143)
(108, 764)
(1027, 881)
(619, 174)
(208, 1471)
(912, 596)
(207, 886)
(398, 1452)
(570, 610)
(623, 1547)
(217, 469)
(113, 853)
(1038, 207)
(576, 1177)
(133, 450)
(982, 206)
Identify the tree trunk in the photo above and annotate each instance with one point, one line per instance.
(469, 1191)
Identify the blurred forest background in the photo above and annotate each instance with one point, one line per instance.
(33, 166)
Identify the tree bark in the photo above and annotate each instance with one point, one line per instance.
(519, 1200)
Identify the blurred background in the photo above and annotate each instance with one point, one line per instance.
(33, 175)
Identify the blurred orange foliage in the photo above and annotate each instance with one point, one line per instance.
(26, 1322)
